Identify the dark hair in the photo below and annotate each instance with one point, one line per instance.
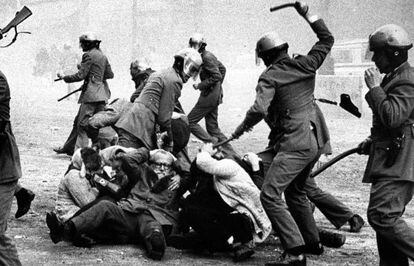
(91, 159)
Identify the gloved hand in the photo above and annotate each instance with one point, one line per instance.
(301, 8)
(363, 147)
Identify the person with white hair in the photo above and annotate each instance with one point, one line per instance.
(224, 210)
(145, 215)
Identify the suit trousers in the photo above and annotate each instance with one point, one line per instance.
(333, 209)
(8, 252)
(107, 222)
(292, 220)
(210, 114)
(395, 239)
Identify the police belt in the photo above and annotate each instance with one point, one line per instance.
(406, 130)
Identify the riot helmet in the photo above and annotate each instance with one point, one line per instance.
(268, 44)
(191, 63)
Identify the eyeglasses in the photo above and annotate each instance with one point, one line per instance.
(160, 165)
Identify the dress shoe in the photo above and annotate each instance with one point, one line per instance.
(289, 259)
(61, 150)
(155, 245)
(331, 239)
(243, 252)
(355, 223)
(314, 249)
(55, 227)
(24, 200)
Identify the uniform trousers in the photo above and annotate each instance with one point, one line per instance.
(395, 239)
(8, 252)
(333, 209)
(292, 220)
(210, 114)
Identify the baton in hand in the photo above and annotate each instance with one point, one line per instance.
(221, 143)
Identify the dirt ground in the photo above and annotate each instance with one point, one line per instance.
(40, 124)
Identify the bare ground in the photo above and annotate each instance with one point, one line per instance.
(40, 124)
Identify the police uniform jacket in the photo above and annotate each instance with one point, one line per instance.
(392, 105)
(10, 169)
(94, 71)
(154, 105)
(211, 75)
(285, 97)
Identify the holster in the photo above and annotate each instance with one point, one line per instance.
(393, 150)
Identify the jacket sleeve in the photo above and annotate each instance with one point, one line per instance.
(320, 49)
(224, 168)
(108, 74)
(166, 108)
(395, 107)
(211, 67)
(83, 70)
(264, 95)
(222, 70)
(4, 99)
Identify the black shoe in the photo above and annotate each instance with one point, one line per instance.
(355, 223)
(330, 239)
(189, 240)
(315, 249)
(243, 252)
(289, 259)
(55, 227)
(24, 200)
(61, 150)
(83, 241)
(155, 245)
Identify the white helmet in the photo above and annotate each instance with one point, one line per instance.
(192, 61)
(140, 63)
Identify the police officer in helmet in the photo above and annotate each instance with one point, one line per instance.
(391, 144)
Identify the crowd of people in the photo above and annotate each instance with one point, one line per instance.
(141, 186)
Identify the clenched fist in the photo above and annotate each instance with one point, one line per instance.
(372, 77)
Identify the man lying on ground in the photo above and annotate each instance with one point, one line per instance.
(224, 211)
(144, 216)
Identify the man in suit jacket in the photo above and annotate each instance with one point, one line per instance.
(94, 70)
(211, 93)
(391, 144)
(10, 172)
(285, 99)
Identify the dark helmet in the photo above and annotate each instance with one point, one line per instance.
(269, 41)
(389, 36)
